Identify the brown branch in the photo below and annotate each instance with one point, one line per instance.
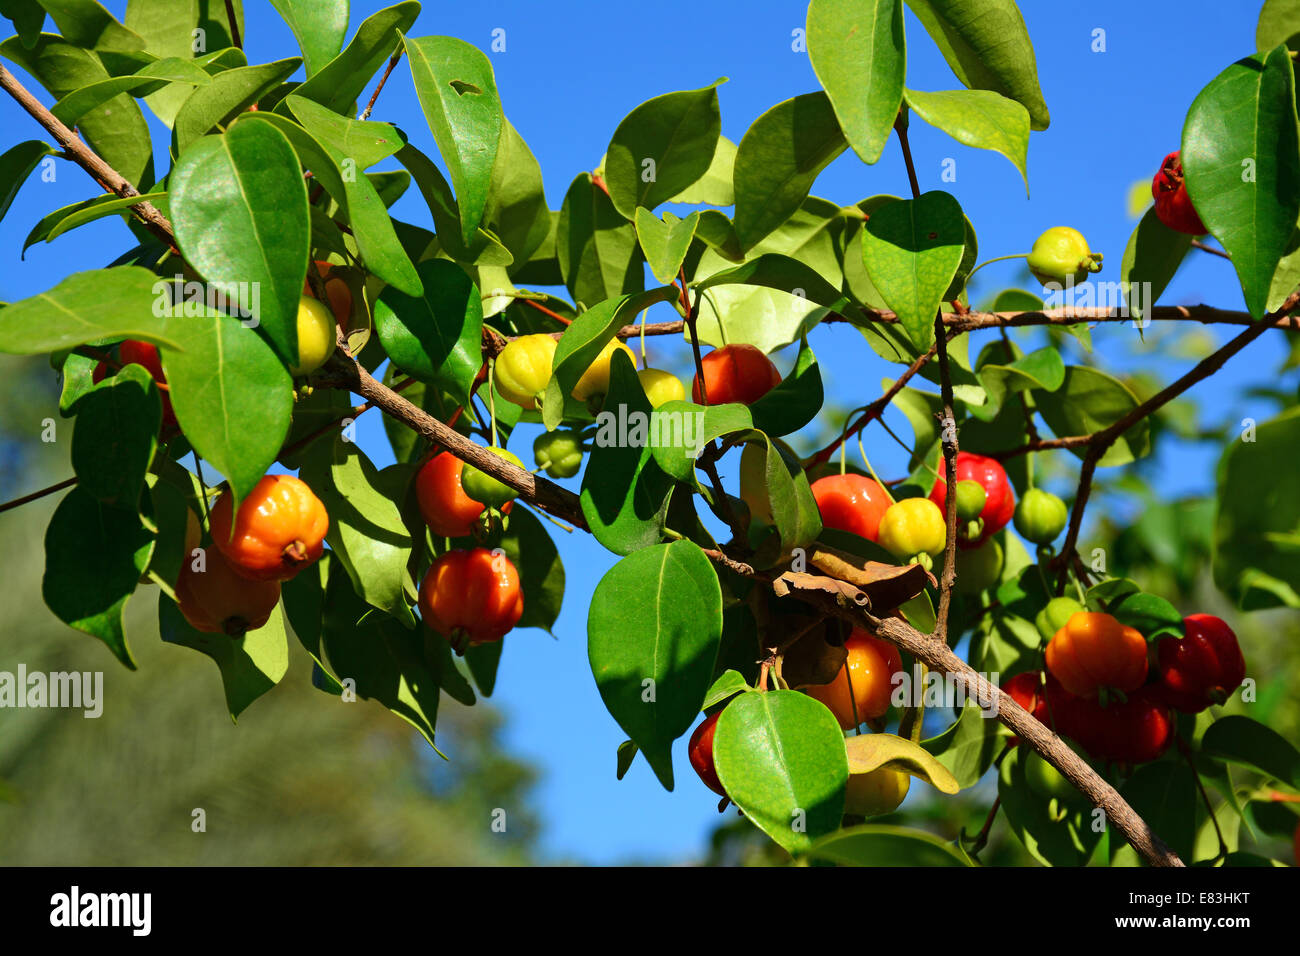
(88, 159)
(234, 25)
(1042, 444)
(948, 577)
(35, 495)
(1197, 244)
(392, 62)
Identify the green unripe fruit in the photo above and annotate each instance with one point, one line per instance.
(1049, 783)
(482, 487)
(1040, 516)
(559, 454)
(979, 569)
(1060, 256)
(970, 500)
(1053, 617)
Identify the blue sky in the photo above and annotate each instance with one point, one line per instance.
(569, 73)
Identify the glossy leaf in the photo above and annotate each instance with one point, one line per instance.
(715, 187)
(250, 665)
(911, 249)
(780, 757)
(364, 142)
(624, 492)
(16, 164)
(684, 429)
(868, 752)
(663, 146)
(778, 160)
(458, 94)
(1151, 258)
(94, 556)
(1239, 739)
(987, 46)
(86, 307)
(436, 337)
(1068, 841)
(56, 223)
(318, 28)
(665, 241)
(1089, 401)
(1041, 370)
(1241, 159)
(366, 534)
(979, 118)
(230, 93)
(152, 78)
(652, 637)
(232, 396)
(596, 247)
(115, 437)
(795, 401)
(541, 572)
(337, 85)
(857, 51)
(239, 209)
(1164, 795)
(85, 23)
(516, 211)
(359, 203)
(873, 844)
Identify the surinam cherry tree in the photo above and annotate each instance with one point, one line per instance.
(265, 284)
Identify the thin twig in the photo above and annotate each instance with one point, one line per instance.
(36, 495)
(392, 62)
(234, 25)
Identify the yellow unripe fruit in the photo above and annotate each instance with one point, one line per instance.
(316, 336)
(661, 387)
(877, 792)
(595, 381)
(523, 368)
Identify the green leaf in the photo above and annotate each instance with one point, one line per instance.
(780, 757)
(116, 130)
(250, 665)
(1042, 370)
(627, 752)
(1068, 841)
(1089, 401)
(1279, 22)
(775, 271)
(458, 94)
(1241, 157)
(968, 747)
(220, 102)
(715, 187)
(364, 142)
(665, 242)
(483, 660)
(1151, 258)
(684, 428)
(167, 30)
(979, 118)
(872, 844)
(1164, 795)
(86, 307)
(94, 556)
(988, 48)
(790, 501)
(911, 249)
(239, 209)
(585, 338)
(366, 533)
(28, 18)
(359, 203)
(1150, 614)
(86, 24)
(56, 223)
(116, 436)
(438, 336)
(653, 633)
(337, 85)
(377, 657)
(663, 146)
(318, 29)
(232, 396)
(541, 572)
(857, 51)
(152, 78)
(1255, 505)
(596, 247)
(779, 158)
(303, 597)
(624, 492)
(16, 164)
(517, 213)
(729, 684)
(793, 403)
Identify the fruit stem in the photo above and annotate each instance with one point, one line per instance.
(203, 485)
(492, 399)
(867, 462)
(1019, 255)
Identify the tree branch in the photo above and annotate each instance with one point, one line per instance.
(88, 159)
